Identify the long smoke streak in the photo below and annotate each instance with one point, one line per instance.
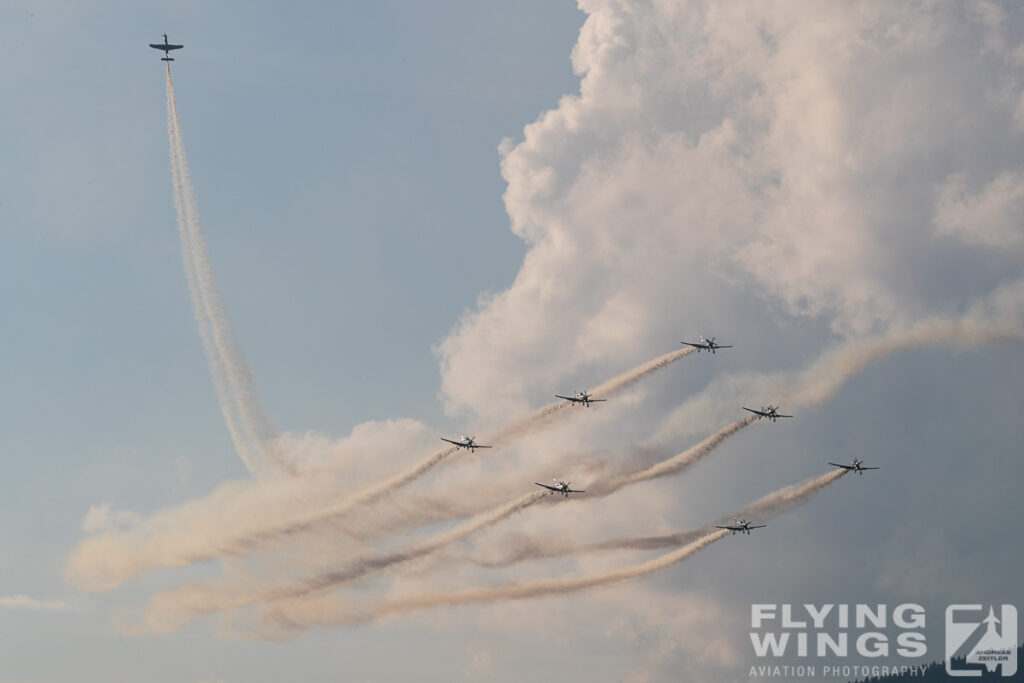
(240, 545)
(521, 549)
(304, 614)
(527, 549)
(992, 323)
(609, 388)
(172, 609)
(249, 425)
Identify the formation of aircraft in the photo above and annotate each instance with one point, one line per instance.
(560, 487)
(166, 47)
(854, 466)
(581, 398)
(741, 526)
(769, 411)
(466, 442)
(705, 345)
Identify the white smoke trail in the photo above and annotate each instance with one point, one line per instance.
(104, 561)
(234, 545)
(519, 549)
(818, 382)
(608, 388)
(172, 609)
(677, 463)
(250, 428)
(526, 549)
(333, 610)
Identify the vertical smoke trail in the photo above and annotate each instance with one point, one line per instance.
(251, 431)
(172, 609)
(218, 372)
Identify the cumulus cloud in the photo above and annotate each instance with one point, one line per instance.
(716, 152)
(991, 217)
(780, 170)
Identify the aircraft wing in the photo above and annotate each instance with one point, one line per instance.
(165, 48)
(476, 445)
(549, 488)
(575, 491)
(568, 398)
(755, 412)
(730, 528)
(777, 415)
(758, 526)
(722, 346)
(870, 468)
(456, 443)
(695, 345)
(597, 400)
(845, 467)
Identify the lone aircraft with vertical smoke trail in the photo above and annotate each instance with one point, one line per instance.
(166, 47)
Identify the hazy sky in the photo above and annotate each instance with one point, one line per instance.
(426, 220)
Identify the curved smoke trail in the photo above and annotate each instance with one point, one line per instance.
(172, 609)
(254, 437)
(333, 610)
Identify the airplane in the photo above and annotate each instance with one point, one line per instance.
(581, 398)
(855, 466)
(166, 47)
(560, 487)
(741, 526)
(769, 411)
(705, 345)
(465, 442)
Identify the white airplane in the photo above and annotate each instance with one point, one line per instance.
(854, 466)
(705, 345)
(560, 487)
(465, 442)
(581, 398)
(741, 526)
(166, 47)
(769, 411)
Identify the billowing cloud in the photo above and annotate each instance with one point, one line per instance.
(716, 152)
(991, 217)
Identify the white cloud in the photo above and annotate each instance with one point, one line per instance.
(786, 152)
(991, 217)
(105, 516)
(29, 603)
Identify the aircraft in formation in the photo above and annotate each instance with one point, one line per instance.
(705, 345)
(560, 487)
(854, 466)
(166, 47)
(466, 442)
(741, 526)
(769, 411)
(581, 398)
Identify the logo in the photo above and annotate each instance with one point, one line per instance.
(989, 641)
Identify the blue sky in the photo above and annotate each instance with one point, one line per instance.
(798, 180)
